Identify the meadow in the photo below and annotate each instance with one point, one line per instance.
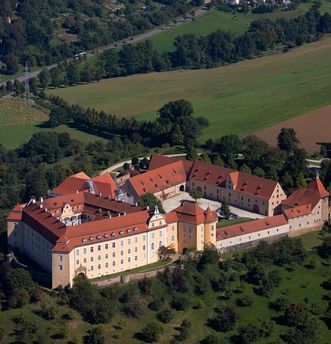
(19, 121)
(234, 23)
(301, 284)
(239, 98)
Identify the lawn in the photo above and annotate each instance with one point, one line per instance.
(234, 23)
(224, 223)
(239, 98)
(19, 121)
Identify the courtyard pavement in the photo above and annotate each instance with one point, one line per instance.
(174, 202)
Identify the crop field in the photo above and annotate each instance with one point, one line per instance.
(240, 98)
(19, 121)
(311, 128)
(234, 23)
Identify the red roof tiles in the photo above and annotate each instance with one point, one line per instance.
(159, 179)
(250, 227)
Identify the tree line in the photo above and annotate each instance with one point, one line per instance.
(29, 29)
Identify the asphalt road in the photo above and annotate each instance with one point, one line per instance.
(129, 40)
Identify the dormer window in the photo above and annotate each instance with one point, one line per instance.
(98, 237)
(113, 235)
(135, 229)
(84, 240)
(128, 230)
(106, 236)
(121, 233)
(91, 239)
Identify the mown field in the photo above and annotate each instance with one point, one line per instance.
(235, 23)
(301, 284)
(239, 98)
(19, 121)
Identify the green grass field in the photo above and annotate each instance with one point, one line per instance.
(239, 98)
(235, 23)
(19, 121)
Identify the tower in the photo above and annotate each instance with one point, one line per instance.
(26, 82)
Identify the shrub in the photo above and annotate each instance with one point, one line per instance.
(180, 302)
(244, 301)
(165, 316)
(95, 336)
(156, 304)
(151, 332)
(224, 320)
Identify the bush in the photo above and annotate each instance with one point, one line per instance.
(151, 332)
(244, 301)
(184, 330)
(180, 302)
(248, 334)
(156, 304)
(18, 298)
(280, 304)
(95, 336)
(224, 320)
(212, 339)
(134, 308)
(165, 316)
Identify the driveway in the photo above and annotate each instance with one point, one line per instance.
(174, 202)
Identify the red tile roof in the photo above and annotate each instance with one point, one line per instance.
(157, 161)
(297, 211)
(250, 227)
(311, 194)
(16, 213)
(159, 179)
(190, 212)
(209, 173)
(103, 184)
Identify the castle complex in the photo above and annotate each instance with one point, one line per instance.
(84, 228)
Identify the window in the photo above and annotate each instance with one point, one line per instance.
(84, 260)
(106, 265)
(135, 239)
(60, 267)
(84, 250)
(99, 257)
(129, 260)
(136, 249)
(152, 246)
(91, 259)
(114, 263)
(60, 258)
(113, 245)
(160, 243)
(106, 246)
(144, 247)
(113, 254)
(121, 253)
(106, 256)
(91, 249)
(77, 262)
(160, 234)
(99, 266)
(122, 242)
(121, 261)
(129, 251)
(129, 241)
(77, 252)
(92, 268)
(135, 258)
(144, 237)
(152, 235)
(99, 247)
(173, 238)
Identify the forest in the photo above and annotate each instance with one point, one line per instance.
(43, 32)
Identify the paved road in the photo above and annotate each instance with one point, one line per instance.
(130, 40)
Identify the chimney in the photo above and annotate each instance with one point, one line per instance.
(41, 200)
(147, 207)
(124, 213)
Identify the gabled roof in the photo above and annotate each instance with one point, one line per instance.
(103, 184)
(158, 179)
(311, 194)
(190, 212)
(250, 227)
(209, 173)
(157, 161)
(255, 186)
(16, 213)
(298, 211)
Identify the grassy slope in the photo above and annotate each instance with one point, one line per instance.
(298, 285)
(19, 121)
(235, 23)
(239, 98)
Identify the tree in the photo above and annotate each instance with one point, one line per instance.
(151, 201)
(196, 194)
(165, 315)
(218, 161)
(44, 78)
(248, 334)
(152, 332)
(95, 336)
(228, 147)
(287, 140)
(324, 250)
(165, 252)
(225, 210)
(224, 320)
(212, 339)
(245, 169)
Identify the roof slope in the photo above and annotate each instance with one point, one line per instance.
(157, 161)
(250, 227)
(311, 194)
(159, 179)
